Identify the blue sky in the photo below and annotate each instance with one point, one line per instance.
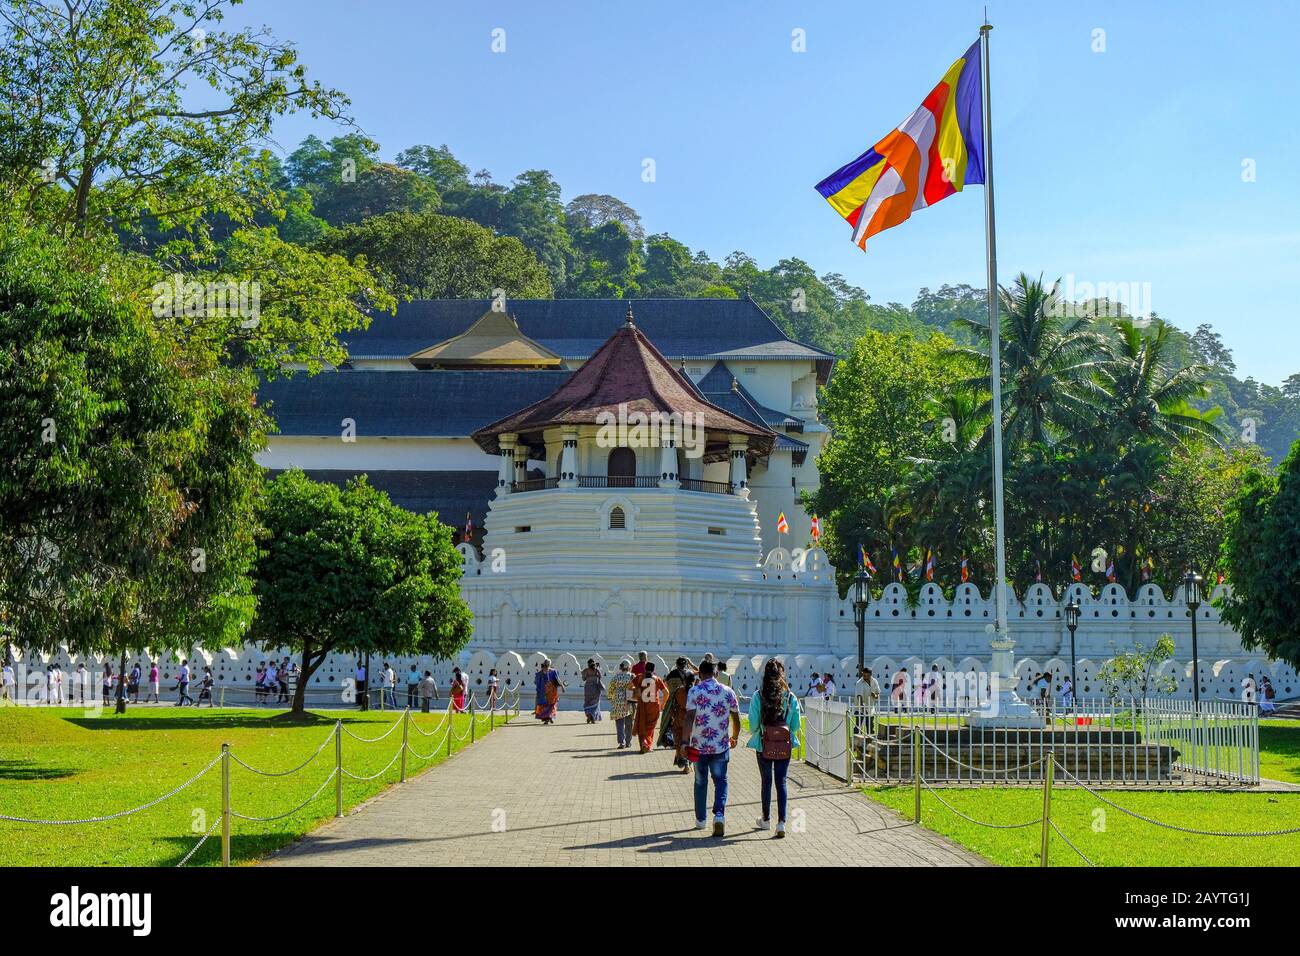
(1117, 166)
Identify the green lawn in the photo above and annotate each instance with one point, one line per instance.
(58, 763)
(1112, 838)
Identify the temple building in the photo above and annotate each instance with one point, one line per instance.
(418, 385)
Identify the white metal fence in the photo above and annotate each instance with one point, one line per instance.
(1132, 743)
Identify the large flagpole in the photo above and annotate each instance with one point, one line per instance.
(1006, 709)
(990, 239)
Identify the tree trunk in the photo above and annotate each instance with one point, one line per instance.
(299, 705)
(121, 685)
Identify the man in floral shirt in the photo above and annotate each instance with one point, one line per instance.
(713, 715)
(620, 703)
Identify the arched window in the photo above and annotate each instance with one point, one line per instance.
(617, 520)
(621, 468)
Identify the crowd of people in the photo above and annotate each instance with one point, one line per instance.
(694, 712)
(422, 689)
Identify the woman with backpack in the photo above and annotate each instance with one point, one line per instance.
(774, 722)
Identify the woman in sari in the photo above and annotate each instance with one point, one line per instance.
(593, 685)
(548, 693)
(458, 693)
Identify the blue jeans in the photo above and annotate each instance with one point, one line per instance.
(715, 766)
(768, 769)
(623, 727)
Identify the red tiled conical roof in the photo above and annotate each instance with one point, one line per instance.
(627, 370)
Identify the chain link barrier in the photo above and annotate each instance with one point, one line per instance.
(446, 725)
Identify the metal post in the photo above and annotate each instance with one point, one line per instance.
(1074, 681)
(1196, 666)
(849, 717)
(473, 721)
(338, 768)
(916, 773)
(406, 725)
(223, 695)
(1048, 768)
(225, 804)
(451, 727)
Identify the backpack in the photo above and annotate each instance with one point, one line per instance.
(777, 740)
(1269, 692)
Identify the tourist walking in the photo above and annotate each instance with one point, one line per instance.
(650, 693)
(8, 684)
(362, 690)
(713, 716)
(133, 682)
(428, 691)
(494, 687)
(898, 690)
(620, 703)
(1267, 695)
(458, 690)
(390, 685)
(548, 693)
(106, 683)
(867, 700)
(721, 675)
(205, 688)
(284, 673)
(153, 683)
(82, 679)
(673, 680)
(593, 685)
(774, 724)
(682, 730)
(271, 680)
(412, 686)
(1248, 689)
(183, 685)
(1067, 692)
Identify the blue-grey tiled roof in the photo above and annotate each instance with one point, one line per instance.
(575, 328)
(449, 493)
(443, 403)
(716, 386)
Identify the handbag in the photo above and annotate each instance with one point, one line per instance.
(777, 743)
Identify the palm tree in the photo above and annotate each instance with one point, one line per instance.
(1050, 365)
(1147, 398)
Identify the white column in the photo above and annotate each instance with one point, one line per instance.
(739, 474)
(521, 462)
(668, 477)
(569, 458)
(506, 465)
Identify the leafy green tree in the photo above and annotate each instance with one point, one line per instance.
(431, 257)
(448, 174)
(878, 405)
(529, 209)
(379, 189)
(1262, 557)
(593, 210)
(607, 262)
(126, 504)
(347, 570)
(100, 129)
(1132, 674)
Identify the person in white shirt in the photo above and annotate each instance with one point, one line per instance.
(7, 683)
(390, 685)
(183, 685)
(1067, 692)
(1248, 689)
(363, 692)
(814, 686)
(58, 684)
(867, 695)
(83, 678)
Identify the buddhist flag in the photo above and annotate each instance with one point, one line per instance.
(1076, 569)
(1110, 570)
(1038, 571)
(782, 526)
(898, 565)
(1148, 566)
(816, 529)
(468, 534)
(864, 559)
(929, 565)
(932, 154)
(965, 571)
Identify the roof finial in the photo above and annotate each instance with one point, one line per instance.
(630, 323)
(735, 386)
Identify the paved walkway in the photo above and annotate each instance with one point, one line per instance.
(562, 795)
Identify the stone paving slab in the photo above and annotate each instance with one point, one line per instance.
(563, 795)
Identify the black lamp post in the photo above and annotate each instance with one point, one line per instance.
(1192, 598)
(861, 590)
(1072, 622)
